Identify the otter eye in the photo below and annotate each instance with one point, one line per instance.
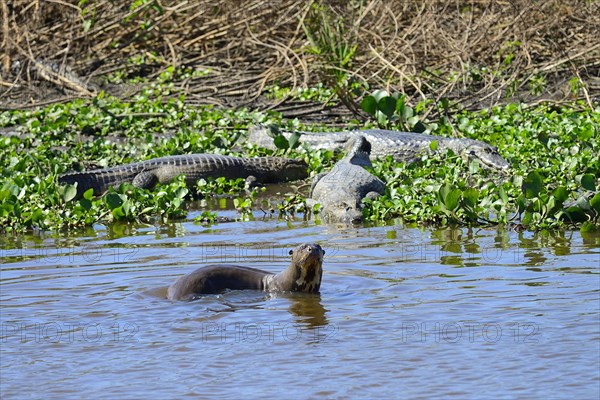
(291, 252)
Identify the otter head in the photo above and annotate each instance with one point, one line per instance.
(307, 260)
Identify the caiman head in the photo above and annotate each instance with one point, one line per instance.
(488, 155)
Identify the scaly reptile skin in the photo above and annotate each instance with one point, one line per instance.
(148, 173)
(342, 190)
(403, 146)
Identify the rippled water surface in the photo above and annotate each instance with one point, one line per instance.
(402, 312)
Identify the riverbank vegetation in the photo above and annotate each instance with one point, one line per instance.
(127, 81)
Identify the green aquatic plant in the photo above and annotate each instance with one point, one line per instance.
(553, 151)
(391, 111)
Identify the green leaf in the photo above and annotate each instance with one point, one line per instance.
(527, 218)
(445, 104)
(382, 119)
(369, 105)
(503, 195)
(452, 199)
(407, 113)
(281, 142)
(576, 214)
(387, 105)
(560, 194)
(444, 190)
(595, 202)
(126, 207)
(70, 193)
(588, 182)
(89, 194)
(588, 226)
(532, 185)
(583, 203)
(419, 127)
(113, 200)
(293, 140)
(86, 204)
(400, 106)
(379, 94)
(181, 192)
(87, 24)
(471, 196)
(118, 213)
(433, 145)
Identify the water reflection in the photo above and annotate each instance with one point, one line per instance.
(307, 308)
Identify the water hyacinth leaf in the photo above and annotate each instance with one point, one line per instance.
(181, 192)
(443, 192)
(86, 204)
(532, 185)
(381, 118)
(588, 182)
(379, 94)
(452, 199)
(387, 105)
(419, 127)
(583, 203)
(471, 196)
(118, 213)
(89, 194)
(113, 200)
(595, 202)
(503, 195)
(551, 203)
(560, 194)
(400, 106)
(126, 207)
(281, 142)
(369, 105)
(408, 113)
(576, 214)
(588, 226)
(294, 140)
(70, 193)
(585, 132)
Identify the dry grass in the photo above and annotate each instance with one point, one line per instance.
(475, 53)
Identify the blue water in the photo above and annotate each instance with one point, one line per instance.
(402, 313)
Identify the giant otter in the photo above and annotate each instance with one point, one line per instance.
(303, 275)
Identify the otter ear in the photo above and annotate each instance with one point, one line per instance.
(323, 252)
(291, 252)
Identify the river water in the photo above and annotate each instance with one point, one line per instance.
(402, 313)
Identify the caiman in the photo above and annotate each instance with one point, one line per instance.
(146, 174)
(403, 146)
(340, 192)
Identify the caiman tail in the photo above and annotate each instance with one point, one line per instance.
(148, 173)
